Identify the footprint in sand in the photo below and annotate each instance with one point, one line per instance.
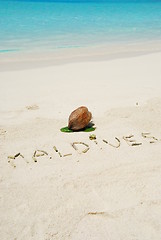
(2, 132)
(32, 107)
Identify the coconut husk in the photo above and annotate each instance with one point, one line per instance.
(79, 118)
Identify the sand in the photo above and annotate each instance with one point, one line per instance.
(110, 192)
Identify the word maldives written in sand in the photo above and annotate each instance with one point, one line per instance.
(130, 140)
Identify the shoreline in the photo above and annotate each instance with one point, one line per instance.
(20, 60)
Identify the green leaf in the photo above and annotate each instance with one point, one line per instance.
(87, 129)
(66, 129)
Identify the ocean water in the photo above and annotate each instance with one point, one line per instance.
(32, 25)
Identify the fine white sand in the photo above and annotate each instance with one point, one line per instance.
(107, 193)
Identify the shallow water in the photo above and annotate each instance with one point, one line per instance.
(52, 25)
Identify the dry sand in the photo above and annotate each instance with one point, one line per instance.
(106, 193)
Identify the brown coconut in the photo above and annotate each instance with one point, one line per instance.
(79, 118)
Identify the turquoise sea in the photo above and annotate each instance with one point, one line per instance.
(31, 25)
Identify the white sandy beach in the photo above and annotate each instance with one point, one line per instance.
(106, 193)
